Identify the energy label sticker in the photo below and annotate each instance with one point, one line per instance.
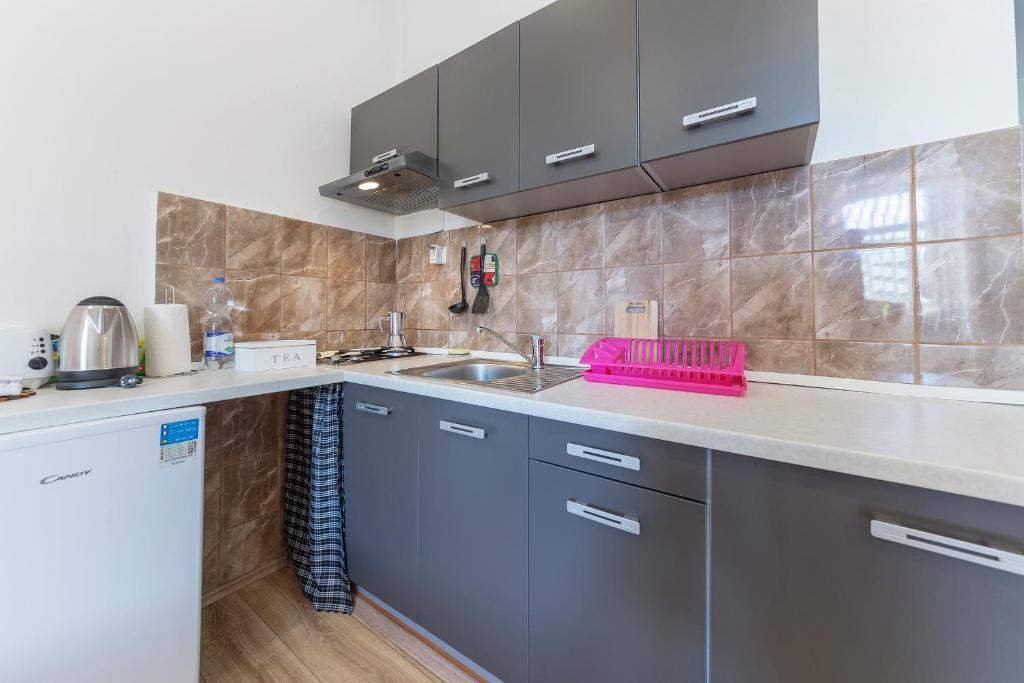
(179, 441)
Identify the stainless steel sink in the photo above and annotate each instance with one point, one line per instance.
(496, 374)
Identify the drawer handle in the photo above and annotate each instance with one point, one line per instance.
(390, 154)
(371, 408)
(472, 180)
(950, 547)
(462, 430)
(628, 524)
(628, 462)
(567, 155)
(725, 111)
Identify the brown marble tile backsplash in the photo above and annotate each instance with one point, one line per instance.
(901, 266)
(291, 279)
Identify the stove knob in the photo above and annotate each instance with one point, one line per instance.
(37, 363)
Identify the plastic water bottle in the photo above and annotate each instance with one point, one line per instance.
(218, 335)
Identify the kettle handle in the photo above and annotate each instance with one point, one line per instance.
(380, 322)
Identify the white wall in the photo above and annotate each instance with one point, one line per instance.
(104, 103)
(892, 72)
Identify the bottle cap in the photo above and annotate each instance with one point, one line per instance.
(218, 280)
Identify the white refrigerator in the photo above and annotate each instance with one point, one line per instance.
(101, 527)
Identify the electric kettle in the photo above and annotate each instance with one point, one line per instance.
(98, 345)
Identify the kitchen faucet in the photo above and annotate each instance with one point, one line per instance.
(535, 359)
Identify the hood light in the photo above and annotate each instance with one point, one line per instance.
(369, 185)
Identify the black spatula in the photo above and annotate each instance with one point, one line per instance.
(483, 298)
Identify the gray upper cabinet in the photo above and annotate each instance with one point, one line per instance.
(380, 482)
(803, 591)
(473, 533)
(711, 60)
(478, 120)
(578, 108)
(616, 581)
(403, 118)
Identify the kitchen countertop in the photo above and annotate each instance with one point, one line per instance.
(971, 449)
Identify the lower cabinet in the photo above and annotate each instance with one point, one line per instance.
(380, 456)
(473, 533)
(802, 591)
(616, 580)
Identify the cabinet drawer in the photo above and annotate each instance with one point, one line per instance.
(659, 465)
(616, 581)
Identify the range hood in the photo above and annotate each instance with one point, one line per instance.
(398, 184)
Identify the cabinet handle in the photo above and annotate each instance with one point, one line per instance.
(950, 547)
(628, 462)
(628, 524)
(575, 153)
(390, 154)
(472, 180)
(371, 408)
(462, 430)
(725, 111)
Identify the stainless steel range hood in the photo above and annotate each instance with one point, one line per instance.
(399, 185)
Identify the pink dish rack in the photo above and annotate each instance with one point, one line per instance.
(705, 366)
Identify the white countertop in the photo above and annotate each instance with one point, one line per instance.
(971, 449)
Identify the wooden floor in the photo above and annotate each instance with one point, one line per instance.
(268, 632)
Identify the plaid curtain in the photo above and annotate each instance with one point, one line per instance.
(314, 509)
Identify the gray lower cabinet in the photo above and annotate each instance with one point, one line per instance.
(578, 107)
(801, 591)
(402, 118)
(473, 533)
(710, 60)
(616, 581)
(380, 483)
(478, 120)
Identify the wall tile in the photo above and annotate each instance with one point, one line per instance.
(633, 231)
(381, 254)
(432, 339)
(408, 301)
(190, 285)
(865, 360)
(769, 297)
(250, 546)
(412, 259)
(862, 201)
(211, 561)
(972, 291)
(501, 240)
(630, 283)
(190, 232)
(302, 303)
(380, 300)
(770, 213)
(575, 345)
(254, 240)
(864, 295)
(991, 367)
(581, 237)
(969, 186)
(537, 244)
(696, 297)
(257, 301)
(211, 501)
(346, 339)
(435, 297)
(695, 223)
(214, 434)
(777, 355)
(250, 475)
(346, 305)
(501, 313)
(581, 302)
(537, 303)
(346, 254)
(305, 249)
(319, 336)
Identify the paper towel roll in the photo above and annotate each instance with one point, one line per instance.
(168, 350)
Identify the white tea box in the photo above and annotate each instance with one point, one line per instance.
(275, 355)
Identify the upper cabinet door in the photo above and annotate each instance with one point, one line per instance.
(711, 60)
(403, 119)
(578, 91)
(478, 120)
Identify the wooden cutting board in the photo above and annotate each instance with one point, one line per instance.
(636, 319)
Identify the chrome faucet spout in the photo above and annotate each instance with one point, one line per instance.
(536, 359)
